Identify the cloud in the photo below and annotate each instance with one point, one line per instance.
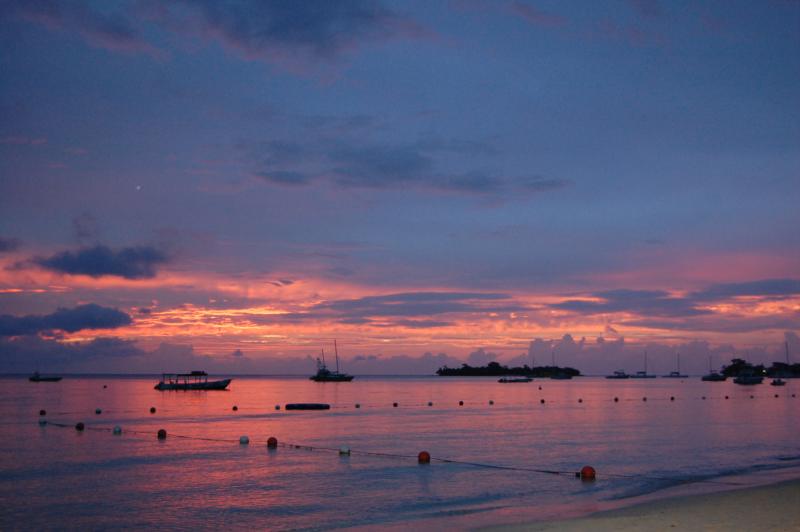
(763, 287)
(137, 262)
(286, 30)
(9, 244)
(536, 16)
(82, 317)
(646, 302)
(647, 8)
(111, 30)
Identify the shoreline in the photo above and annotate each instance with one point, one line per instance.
(763, 507)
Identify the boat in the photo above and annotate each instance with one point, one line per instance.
(643, 374)
(37, 377)
(196, 380)
(713, 376)
(514, 379)
(619, 374)
(676, 374)
(561, 376)
(325, 375)
(778, 382)
(748, 379)
(307, 406)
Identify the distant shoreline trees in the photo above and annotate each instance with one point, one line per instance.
(494, 369)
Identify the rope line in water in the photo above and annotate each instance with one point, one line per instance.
(295, 446)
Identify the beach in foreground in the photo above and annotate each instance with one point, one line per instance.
(773, 507)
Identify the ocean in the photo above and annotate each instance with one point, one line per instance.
(507, 455)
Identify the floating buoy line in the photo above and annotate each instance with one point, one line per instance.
(586, 473)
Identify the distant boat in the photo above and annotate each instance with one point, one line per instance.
(676, 374)
(561, 376)
(713, 376)
(36, 377)
(778, 382)
(619, 374)
(196, 380)
(748, 379)
(514, 379)
(325, 375)
(643, 374)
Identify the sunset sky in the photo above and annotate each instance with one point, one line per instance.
(231, 185)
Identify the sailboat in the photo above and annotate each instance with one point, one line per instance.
(713, 376)
(325, 375)
(676, 374)
(643, 374)
(559, 375)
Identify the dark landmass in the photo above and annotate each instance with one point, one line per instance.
(494, 369)
(739, 366)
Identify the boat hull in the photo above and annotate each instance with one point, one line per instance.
(331, 378)
(748, 381)
(44, 379)
(308, 406)
(212, 385)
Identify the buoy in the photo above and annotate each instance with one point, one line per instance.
(98, 411)
(344, 451)
(105, 386)
(272, 442)
(616, 399)
(461, 403)
(42, 422)
(430, 403)
(491, 402)
(776, 395)
(152, 410)
(42, 412)
(752, 397)
(79, 426)
(540, 387)
(671, 397)
(235, 408)
(358, 405)
(424, 457)
(394, 405)
(277, 407)
(644, 399)
(726, 397)
(587, 473)
(244, 440)
(117, 430)
(580, 400)
(162, 434)
(703, 398)
(792, 395)
(541, 401)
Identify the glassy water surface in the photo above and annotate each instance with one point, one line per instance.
(56, 477)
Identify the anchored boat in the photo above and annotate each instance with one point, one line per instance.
(196, 380)
(514, 379)
(37, 377)
(325, 375)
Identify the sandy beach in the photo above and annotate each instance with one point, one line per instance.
(773, 507)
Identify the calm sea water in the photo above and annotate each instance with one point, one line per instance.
(55, 477)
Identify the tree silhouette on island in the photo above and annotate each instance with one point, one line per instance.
(494, 369)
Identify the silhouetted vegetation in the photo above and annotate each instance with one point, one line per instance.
(494, 369)
(739, 366)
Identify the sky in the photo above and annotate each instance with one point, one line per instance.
(197, 184)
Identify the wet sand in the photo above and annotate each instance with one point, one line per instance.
(773, 507)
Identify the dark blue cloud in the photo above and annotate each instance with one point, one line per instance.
(646, 302)
(82, 317)
(9, 244)
(137, 262)
(763, 287)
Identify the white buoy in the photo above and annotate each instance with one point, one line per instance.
(244, 440)
(117, 430)
(344, 451)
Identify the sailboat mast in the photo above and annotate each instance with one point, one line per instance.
(786, 344)
(336, 351)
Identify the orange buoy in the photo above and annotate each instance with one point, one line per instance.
(394, 405)
(588, 473)
(235, 408)
(424, 457)
(491, 402)
(580, 400)
(162, 434)
(79, 426)
(541, 401)
(540, 387)
(272, 442)
(616, 399)
(358, 405)
(430, 403)
(152, 410)
(776, 395)
(461, 403)
(42, 412)
(671, 397)
(644, 399)
(726, 397)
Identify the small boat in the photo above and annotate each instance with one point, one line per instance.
(619, 374)
(643, 374)
(307, 406)
(325, 375)
(713, 376)
(748, 379)
(676, 374)
(514, 379)
(37, 377)
(196, 380)
(778, 382)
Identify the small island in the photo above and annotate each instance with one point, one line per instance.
(739, 366)
(494, 369)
